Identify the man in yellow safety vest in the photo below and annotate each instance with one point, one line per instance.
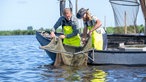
(70, 28)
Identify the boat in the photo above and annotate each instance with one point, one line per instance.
(133, 52)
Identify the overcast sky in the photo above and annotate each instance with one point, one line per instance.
(18, 14)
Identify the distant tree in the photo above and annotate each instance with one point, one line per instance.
(29, 28)
(141, 25)
(41, 29)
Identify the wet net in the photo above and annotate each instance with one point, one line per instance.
(125, 15)
(68, 55)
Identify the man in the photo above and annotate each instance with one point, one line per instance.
(93, 25)
(70, 28)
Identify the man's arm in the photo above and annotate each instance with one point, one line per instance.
(57, 24)
(97, 24)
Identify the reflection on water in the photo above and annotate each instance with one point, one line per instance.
(67, 73)
(99, 76)
(22, 61)
(102, 73)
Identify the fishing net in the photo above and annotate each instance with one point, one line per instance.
(125, 15)
(68, 55)
(143, 6)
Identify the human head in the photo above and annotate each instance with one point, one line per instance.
(67, 13)
(84, 13)
(81, 13)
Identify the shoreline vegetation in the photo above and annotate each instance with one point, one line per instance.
(110, 30)
(17, 32)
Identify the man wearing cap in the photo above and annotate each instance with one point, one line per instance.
(93, 25)
(70, 28)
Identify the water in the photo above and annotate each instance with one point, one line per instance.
(22, 61)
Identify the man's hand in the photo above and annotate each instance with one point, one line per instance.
(83, 40)
(62, 36)
(90, 33)
(52, 34)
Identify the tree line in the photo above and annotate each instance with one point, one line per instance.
(130, 30)
(109, 30)
(18, 32)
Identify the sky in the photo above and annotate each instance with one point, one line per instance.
(19, 14)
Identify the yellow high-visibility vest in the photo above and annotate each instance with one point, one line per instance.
(97, 39)
(73, 41)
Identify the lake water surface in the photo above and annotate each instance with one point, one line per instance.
(21, 60)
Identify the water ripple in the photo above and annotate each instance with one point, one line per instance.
(22, 61)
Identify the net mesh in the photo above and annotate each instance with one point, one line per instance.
(125, 13)
(67, 55)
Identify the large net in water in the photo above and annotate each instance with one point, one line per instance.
(67, 55)
(125, 14)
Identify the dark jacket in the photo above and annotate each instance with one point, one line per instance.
(62, 21)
